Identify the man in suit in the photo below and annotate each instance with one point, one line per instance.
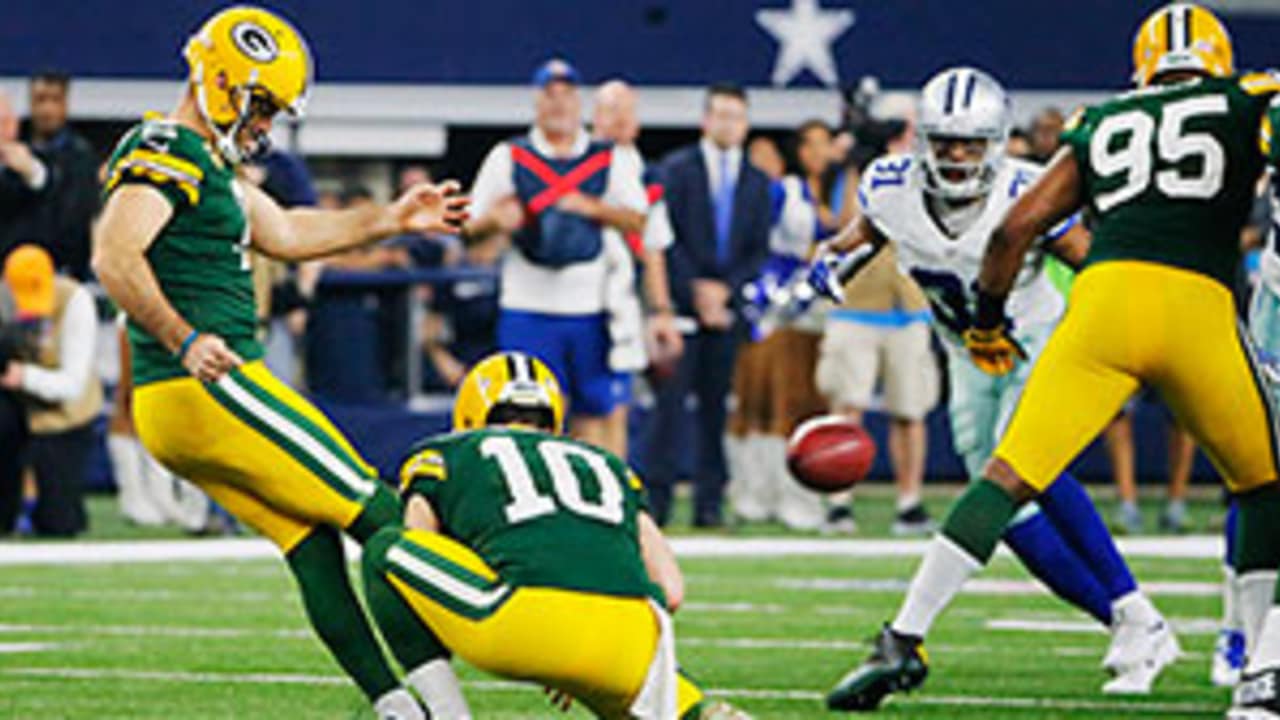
(718, 211)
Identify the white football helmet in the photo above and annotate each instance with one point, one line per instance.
(967, 104)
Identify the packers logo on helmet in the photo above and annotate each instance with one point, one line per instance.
(243, 60)
(1181, 37)
(506, 387)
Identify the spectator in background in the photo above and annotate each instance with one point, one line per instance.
(1120, 450)
(352, 331)
(773, 380)
(25, 183)
(461, 327)
(558, 296)
(1046, 134)
(615, 120)
(719, 213)
(63, 394)
(69, 209)
(1018, 145)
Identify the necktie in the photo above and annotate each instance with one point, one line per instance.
(724, 209)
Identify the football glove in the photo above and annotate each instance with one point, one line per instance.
(993, 350)
(824, 277)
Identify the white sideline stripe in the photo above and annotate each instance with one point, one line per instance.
(67, 673)
(986, 586)
(479, 599)
(298, 436)
(93, 552)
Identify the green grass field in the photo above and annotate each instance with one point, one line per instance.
(227, 639)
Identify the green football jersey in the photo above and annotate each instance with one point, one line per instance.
(201, 256)
(542, 510)
(1169, 171)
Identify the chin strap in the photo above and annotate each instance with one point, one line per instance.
(225, 140)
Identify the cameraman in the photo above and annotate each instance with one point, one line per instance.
(49, 367)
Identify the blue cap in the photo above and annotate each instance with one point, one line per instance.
(553, 70)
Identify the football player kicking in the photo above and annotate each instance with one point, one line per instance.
(531, 556)
(172, 250)
(938, 206)
(1167, 172)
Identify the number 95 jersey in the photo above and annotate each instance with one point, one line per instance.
(542, 510)
(894, 201)
(1169, 171)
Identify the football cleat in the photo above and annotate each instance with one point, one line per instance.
(897, 663)
(1228, 658)
(913, 522)
(1141, 647)
(1257, 697)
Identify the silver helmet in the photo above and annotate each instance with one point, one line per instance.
(962, 103)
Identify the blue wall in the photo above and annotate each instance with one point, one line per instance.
(1030, 43)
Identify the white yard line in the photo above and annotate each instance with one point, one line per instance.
(1184, 626)
(15, 648)
(1146, 708)
(218, 549)
(984, 586)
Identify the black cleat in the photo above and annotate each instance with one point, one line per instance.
(897, 664)
(1257, 697)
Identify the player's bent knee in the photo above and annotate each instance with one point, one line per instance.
(1002, 473)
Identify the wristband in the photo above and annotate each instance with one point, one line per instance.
(990, 311)
(186, 344)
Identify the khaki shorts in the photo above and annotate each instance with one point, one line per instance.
(854, 355)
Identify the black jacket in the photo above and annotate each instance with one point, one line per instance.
(71, 201)
(686, 189)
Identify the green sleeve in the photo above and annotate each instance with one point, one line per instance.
(1077, 131)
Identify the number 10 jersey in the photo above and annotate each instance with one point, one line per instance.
(1169, 171)
(542, 510)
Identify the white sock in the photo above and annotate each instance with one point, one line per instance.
(1255, 592)
(907, 501)
(1134, 607)
(1230, 599)
(398, 705)
(439, 689)
(1267, 653)
(941, 574)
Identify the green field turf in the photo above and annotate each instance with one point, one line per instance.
(228, 639)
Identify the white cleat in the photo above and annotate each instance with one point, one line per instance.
(1140, 649)
(1228, 659)
(1251, 714)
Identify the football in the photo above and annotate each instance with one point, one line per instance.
(830, 453)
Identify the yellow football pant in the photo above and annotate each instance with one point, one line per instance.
(597, 648)
(258, 448)
(1133, 323)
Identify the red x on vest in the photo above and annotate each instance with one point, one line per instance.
(558, 185)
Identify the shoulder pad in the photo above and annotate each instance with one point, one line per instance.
(427, 463)
(885, 172)
(152, 158)
(1260, 83)
(1075, 119)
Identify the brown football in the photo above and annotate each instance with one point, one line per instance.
(830, 453)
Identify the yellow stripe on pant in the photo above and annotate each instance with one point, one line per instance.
(1132, 323)
(597, 648)
(258, 448)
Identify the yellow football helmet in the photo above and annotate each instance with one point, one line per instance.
(241, 56)
(503, 382)
(1181, 36)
